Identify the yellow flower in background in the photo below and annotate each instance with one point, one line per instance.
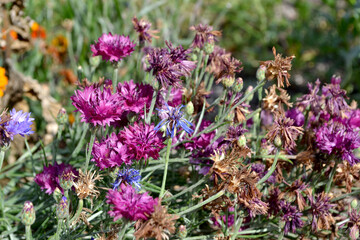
(3, 81)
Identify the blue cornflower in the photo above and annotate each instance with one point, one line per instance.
(173, 119)
(13, 124)
(20, 123)
(130, 176)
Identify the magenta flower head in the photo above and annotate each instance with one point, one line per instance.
(135, 96)
(142, 141)
(291, 217)
(98, 106)
(337, 139)
(173, 119)
(49, 178)
(129, 204)
(113, 48)
(204, 34)
(110, 152)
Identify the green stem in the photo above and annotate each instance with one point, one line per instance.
(237, 226)
(152, 106)
(272, 169)
(200, 118)
(88, 153)
(78, 211)
(166, 167)
(185, 190)
(58, 230)
(2, 156)
(332, 174)
(212, 198)
(123, 230)
(28, 232)
(115, 77)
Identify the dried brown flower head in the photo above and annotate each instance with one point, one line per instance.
(346, 174)
(228, 67)
(295, 190)
(160, 225)
(199, 97)
(306, 157)
(275, 99)
(215, 60)
(278, 68)
(85, 185)
(284, 129)
(204, 34)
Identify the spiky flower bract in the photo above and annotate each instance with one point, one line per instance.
(173, 119)
(113, 48)
(129, 204)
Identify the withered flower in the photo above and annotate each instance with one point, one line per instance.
(204, 34)
(160, 225)
(274, 199)
(275, 99)
(85, 185)
(306, 157)
(228, 67)
(142, 27)
(199, 97)
(215, 60)
(347, 173)
(241, 110)
(278, 68)
(320, 206)
(284, 128)
(294, 191)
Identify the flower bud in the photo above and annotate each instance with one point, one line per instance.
(62, 118)
(28, 214)
(57, 194)
(66, 180)
(182, 231)
(229, 117)
(248, 90)
(260, 73)
(189, 108)
(238, 86)
(95, 61)
(62, 208)
(209, 48)
(228, 81)
(278, 142)
(354, 203)
(241, 142)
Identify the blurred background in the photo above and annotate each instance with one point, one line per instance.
(322, 34)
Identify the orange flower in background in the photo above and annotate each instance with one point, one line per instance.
(13, 34)
(58, 48)
(37, 31)
(3, 81)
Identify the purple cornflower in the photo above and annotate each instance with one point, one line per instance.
(291, 217)
(110, 152)
(173, 118)
(204, 34)
(274, 200)
(336, 139)
(129, 204)
(169, 65)
(135, 96)
(113, 48)
(259, 168)
(312, 99)
(175, 97)
(98, 107)
(49, 178)
(129, 176)
(296, 115)
(320, 209)
(257, 207)
(142, 141)
(230, 219)
(13, 124)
